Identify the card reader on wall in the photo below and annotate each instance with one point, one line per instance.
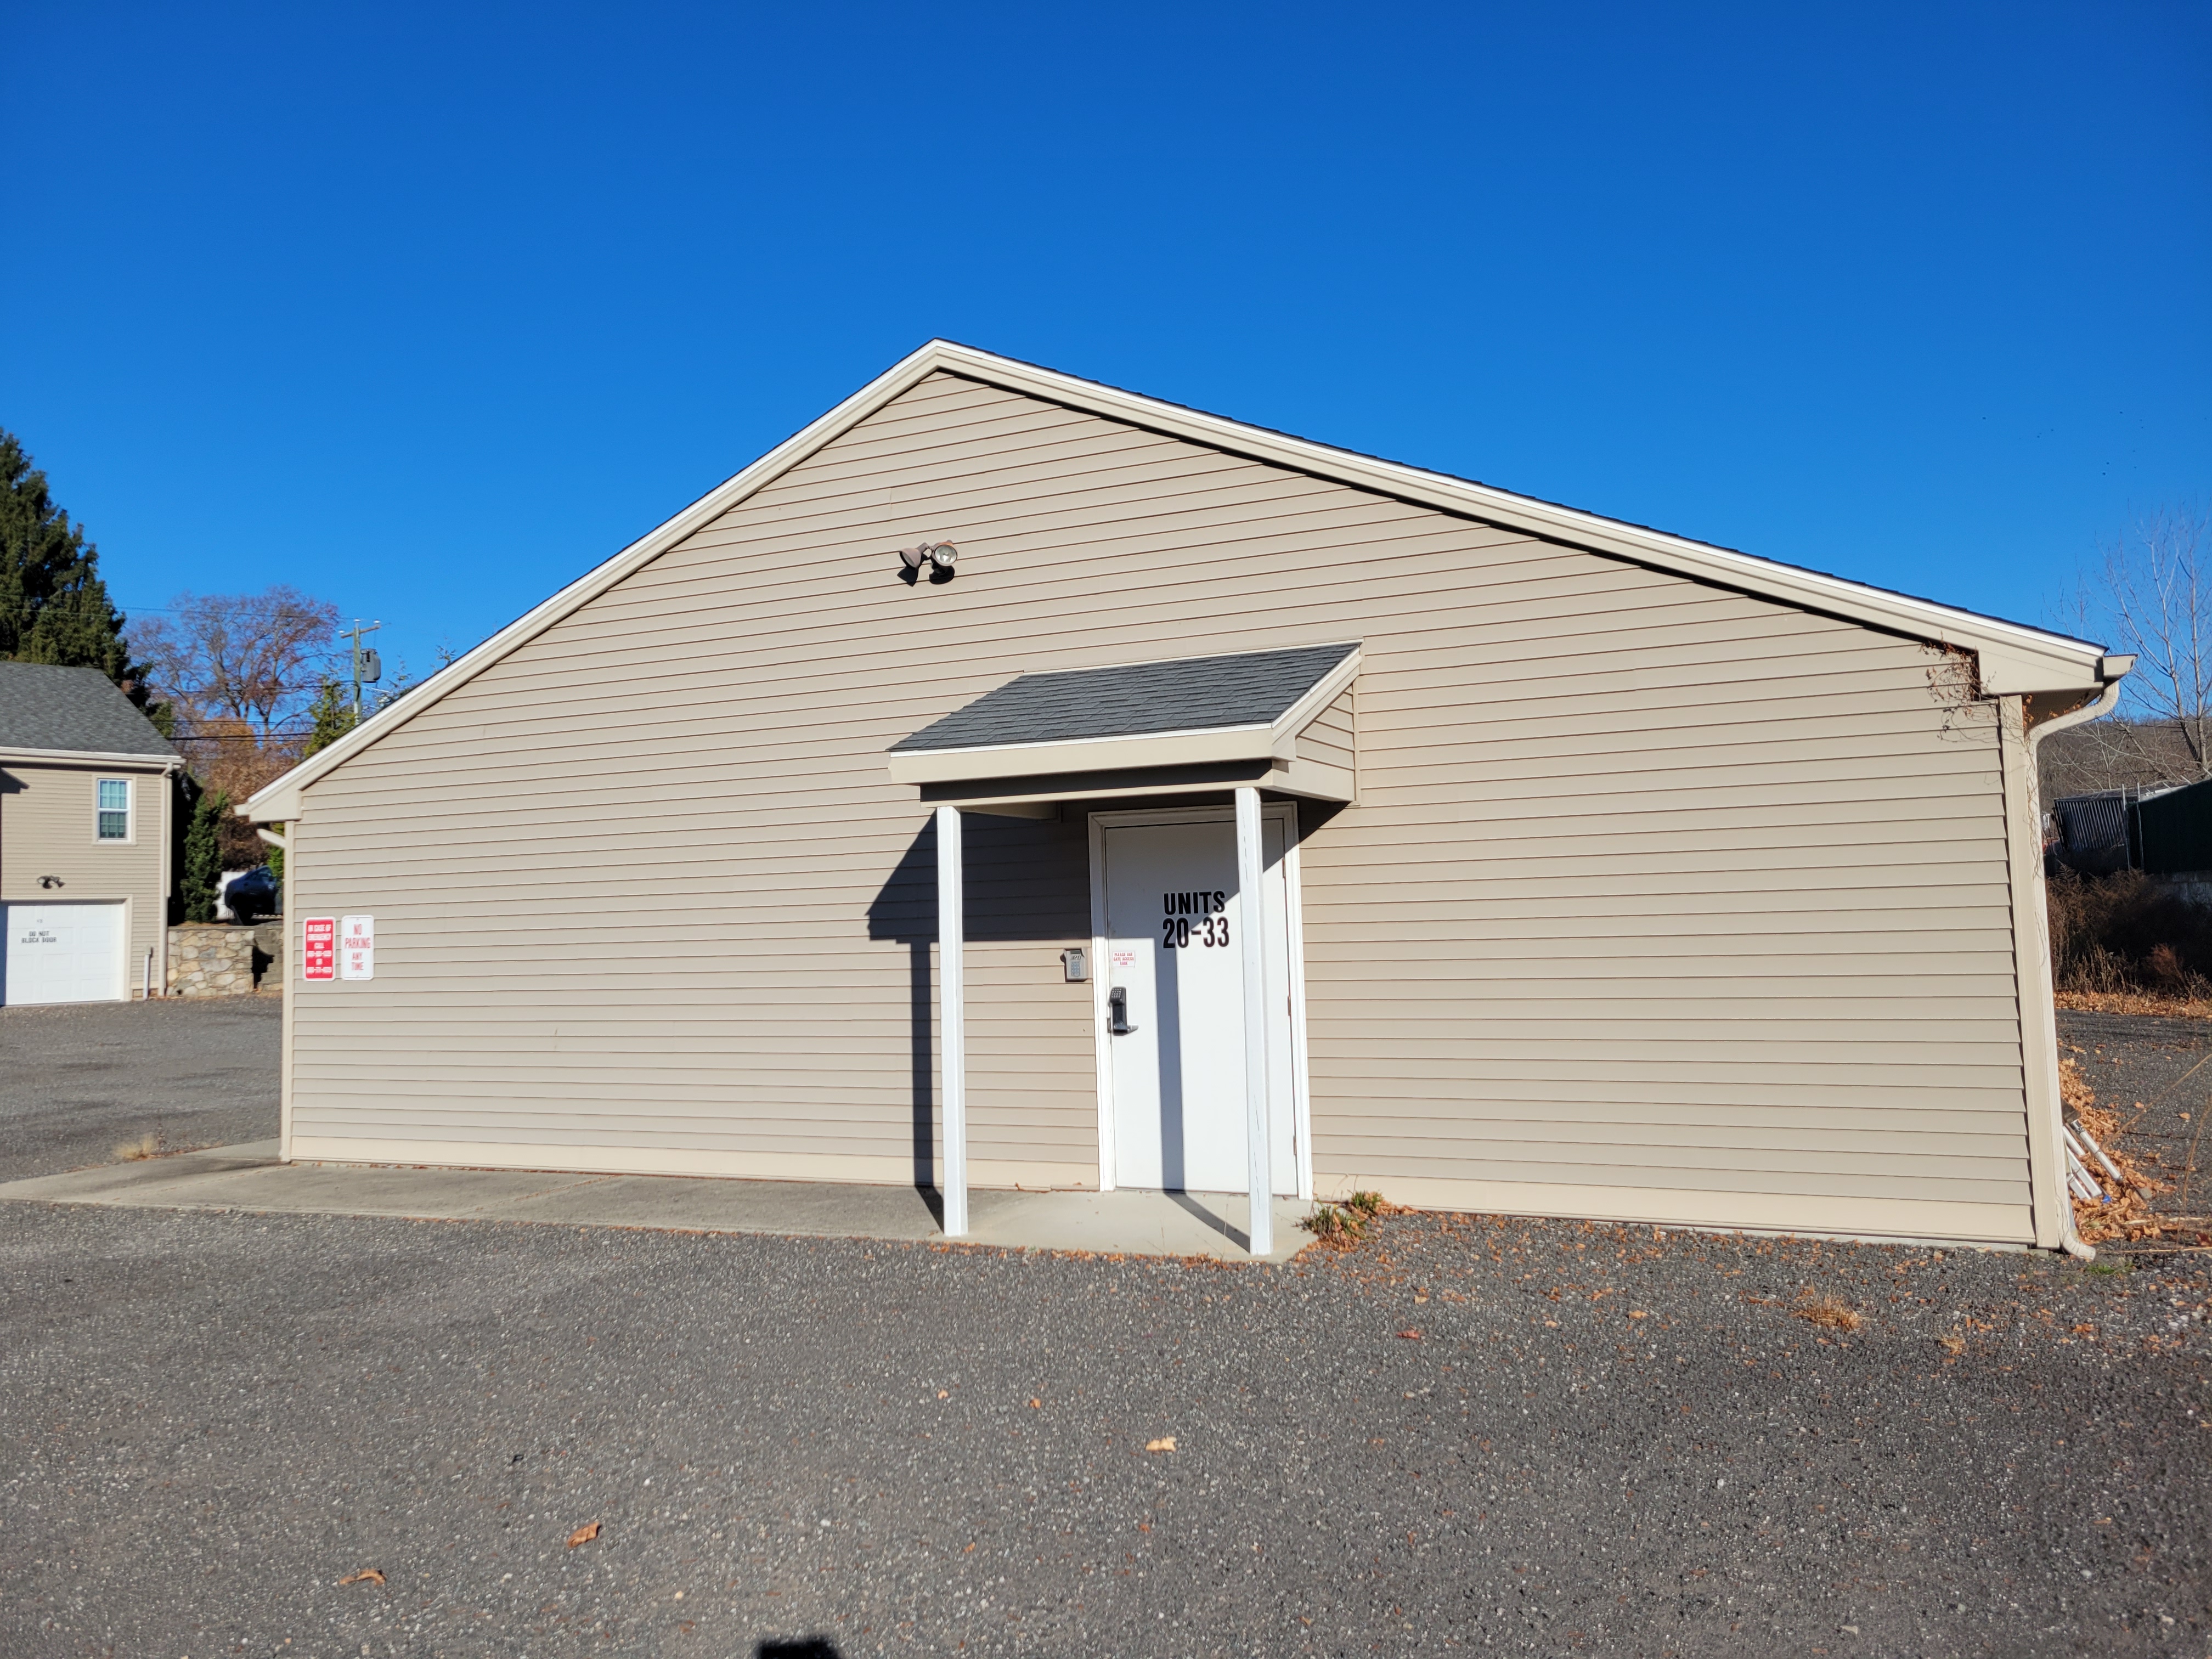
(1075, 963)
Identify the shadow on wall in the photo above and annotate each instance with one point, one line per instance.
(1028, 882)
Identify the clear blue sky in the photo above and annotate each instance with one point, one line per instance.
(429, 308)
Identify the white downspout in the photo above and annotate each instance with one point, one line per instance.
(2117, 669)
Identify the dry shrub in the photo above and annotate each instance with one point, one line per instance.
(146, 1146)
(1831, 1311)
(2125, 932)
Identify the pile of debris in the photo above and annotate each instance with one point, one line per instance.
(2111, 1188)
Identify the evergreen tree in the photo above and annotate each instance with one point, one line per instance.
(202, 866)
(330, 716)
(183, 814)
(54, 608)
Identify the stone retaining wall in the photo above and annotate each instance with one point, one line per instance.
(212, 959)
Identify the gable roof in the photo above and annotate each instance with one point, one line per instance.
(2012, 657)
(76, 711)
(1189, 694)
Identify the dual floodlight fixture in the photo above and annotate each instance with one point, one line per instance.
(932, 559)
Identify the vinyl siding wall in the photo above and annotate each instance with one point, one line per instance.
(1657, 901)
(47, 828)
(1332, 737)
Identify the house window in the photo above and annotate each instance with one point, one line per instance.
(115, 809)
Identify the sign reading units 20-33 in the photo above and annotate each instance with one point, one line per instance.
(319, 948)
(357, 947)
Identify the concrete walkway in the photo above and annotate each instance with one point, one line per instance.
(249, 1178)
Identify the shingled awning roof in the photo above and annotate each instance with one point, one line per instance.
(1189, 694)
(1242, 711)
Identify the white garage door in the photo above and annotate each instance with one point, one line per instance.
(61, 953)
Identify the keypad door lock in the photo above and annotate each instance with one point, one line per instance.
(1117, 1013)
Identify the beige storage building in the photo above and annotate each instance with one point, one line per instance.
(85, 837)
(1603, 873)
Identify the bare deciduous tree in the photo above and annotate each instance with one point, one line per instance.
(246, 658)
(2157, 600)
(238, 670)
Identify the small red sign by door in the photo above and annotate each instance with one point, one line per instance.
(319, 948)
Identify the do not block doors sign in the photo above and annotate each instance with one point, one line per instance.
(357, 947)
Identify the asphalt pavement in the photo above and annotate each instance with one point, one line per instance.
(332, 1435)
(77, 1082)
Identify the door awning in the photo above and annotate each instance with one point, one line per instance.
(1275, 720)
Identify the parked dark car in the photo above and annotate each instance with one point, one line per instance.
(253, 893)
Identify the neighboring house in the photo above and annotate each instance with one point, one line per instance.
(85, 797)
(1603, 873)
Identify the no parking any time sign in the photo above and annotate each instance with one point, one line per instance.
(357, 947)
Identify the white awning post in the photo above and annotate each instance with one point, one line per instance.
(952, 1022)
(1252, 919)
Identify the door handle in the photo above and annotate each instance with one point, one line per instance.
(1117, 1013)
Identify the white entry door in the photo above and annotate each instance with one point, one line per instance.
(62, 953)
(1174, 948)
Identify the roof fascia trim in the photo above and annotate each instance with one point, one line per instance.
(1198, 746)
(2024, 653)
(1322, 693)
(281, 800)
(1724, 567)
(15, 755)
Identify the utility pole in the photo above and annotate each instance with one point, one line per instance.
(368, 666)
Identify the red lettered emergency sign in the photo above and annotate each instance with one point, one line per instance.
(319, 948)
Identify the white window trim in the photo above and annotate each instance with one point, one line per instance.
(129, 836)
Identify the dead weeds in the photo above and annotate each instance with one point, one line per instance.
(1829, 1311)
(1342, 1226)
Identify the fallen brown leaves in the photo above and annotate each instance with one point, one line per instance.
(1165, 1444)
(366, 1575)
(2134, 1002)
(1827, 1310)
(584, 1534)
(2129, 1215)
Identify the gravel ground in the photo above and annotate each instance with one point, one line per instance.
(77, 1082)
(1595, 1440)
(1534, 1436)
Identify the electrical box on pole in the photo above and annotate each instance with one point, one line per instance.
(368, 666)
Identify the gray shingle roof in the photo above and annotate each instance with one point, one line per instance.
(1191, 694)
(72, 708)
